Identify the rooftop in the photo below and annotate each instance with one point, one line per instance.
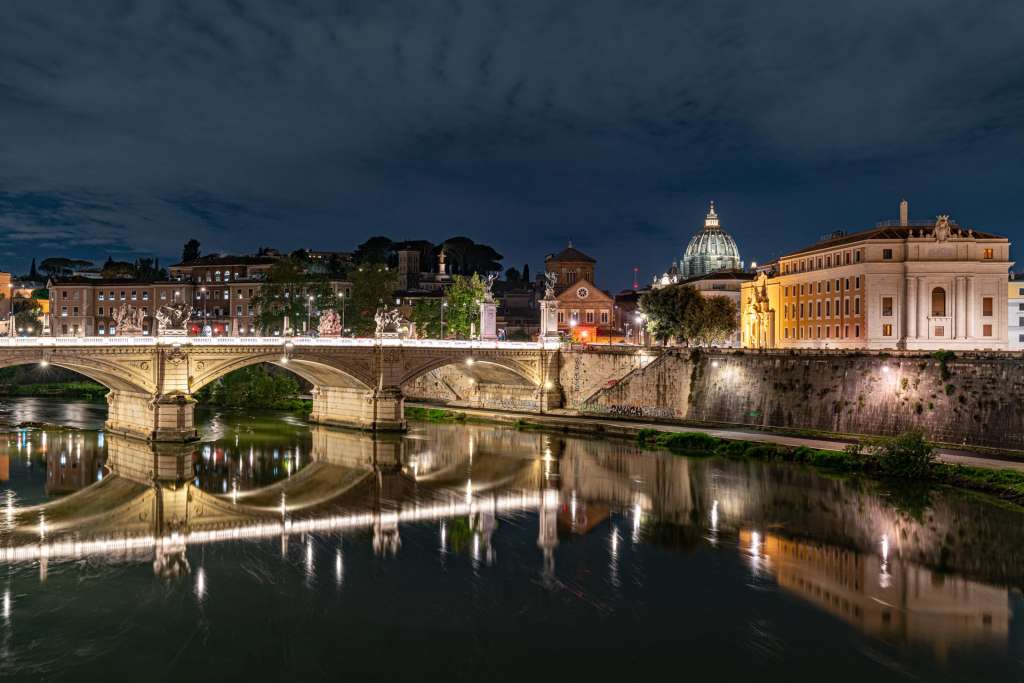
(884, 231)
(570, 253)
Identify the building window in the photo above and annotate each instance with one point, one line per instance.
(818, 335)
(238, 309)
(940, 331)
(1020, 307)
(819, 264)
(100, 296)
(986, 330)
(856, 305)
(828, 309)
(145, 295)
(1020, 337)
(64, 312)
(99, 329)
(987, 254)
(887, 254)
(1020, 322)
(604, 317)
(837, 331)
(846, 329)
(887, 330)
(122, 295)
(1020, 292)
(802, 290)
(134, 295)
(561, 317)
(986, 306)
(819, 288)
(99, 310)
(819, 311)
(113, 330)
(887, 305)
(828, 286)
(63, 329)
(801, 310)
(856, 256)
(828, 261)
(856, 330)
(846, 307)
(856, 282)
(939, 302)
(847, 260)
(785, 333)
(74, 310)
(226, 294)
(590, 317)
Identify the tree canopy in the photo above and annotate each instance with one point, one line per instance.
(373, 285)
(291, 293)
(190, 252)
(681, 313)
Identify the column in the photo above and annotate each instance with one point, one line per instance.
(971, 314)
(923, 310)
(911, 308)
(960, 309)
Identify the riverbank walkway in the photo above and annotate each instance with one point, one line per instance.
(563, 419)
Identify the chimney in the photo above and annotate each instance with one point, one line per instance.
(904, 212)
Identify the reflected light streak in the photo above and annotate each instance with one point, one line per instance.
(339, 567)
(7, 605)
(637, 517)
(201, 584)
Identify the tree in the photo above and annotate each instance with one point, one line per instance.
(526, 272)
(118, 269)
(27, 314)
(467, 257)
(462, 316)
(290, 293)
(373, 285)
(190, 252)
(426, 313)
(56, 266)
(680, 312)
(720, 320)
(376, 250)
(33, 274)
(512, 275)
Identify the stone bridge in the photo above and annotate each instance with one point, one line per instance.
(357, 382)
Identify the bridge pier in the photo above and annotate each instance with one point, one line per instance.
(159, 418)
(375, 410)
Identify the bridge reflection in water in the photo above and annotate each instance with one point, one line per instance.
(842, 546)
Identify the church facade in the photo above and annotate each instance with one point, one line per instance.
(584, 310)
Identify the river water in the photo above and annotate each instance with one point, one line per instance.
(276, 550)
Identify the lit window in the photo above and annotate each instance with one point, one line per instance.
(887, 330)
(986, 330)
(887, 254)
(986, 306)
(939, 302)
(887, 306)
(987, 254)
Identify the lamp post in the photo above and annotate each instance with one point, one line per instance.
(309, 313)
(444, 305)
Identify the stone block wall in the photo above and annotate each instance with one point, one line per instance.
(975, 399)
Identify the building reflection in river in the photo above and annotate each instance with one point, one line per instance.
(859, 557)
(885, 597)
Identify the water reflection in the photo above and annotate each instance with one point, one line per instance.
(940, 578)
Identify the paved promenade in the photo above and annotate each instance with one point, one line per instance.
(566, 420)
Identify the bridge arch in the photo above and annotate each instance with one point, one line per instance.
(313, 369)
(114, 376)
(487, 370)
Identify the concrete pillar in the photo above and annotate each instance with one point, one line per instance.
(960, 308)
(548, 319)
(488, 321)
(160, 418)
(376, 410)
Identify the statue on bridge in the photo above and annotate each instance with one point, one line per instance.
(330, 324)
(129, 320)
(488, 286)
(172, 318)
(550, 280)
(388, 320)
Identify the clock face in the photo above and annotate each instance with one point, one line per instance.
(582, 293)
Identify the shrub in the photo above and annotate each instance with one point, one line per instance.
(906, 456)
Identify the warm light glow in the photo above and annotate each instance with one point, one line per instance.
(714, 363)
(469, 361)
(43, 363)
(549, 385)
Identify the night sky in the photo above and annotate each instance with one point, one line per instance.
(128, 127)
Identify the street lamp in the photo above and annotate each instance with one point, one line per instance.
(444, 305)
(343, 302)
(309, 313)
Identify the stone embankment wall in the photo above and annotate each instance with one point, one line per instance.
(975, 399)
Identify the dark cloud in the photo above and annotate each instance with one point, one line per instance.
(134, 125)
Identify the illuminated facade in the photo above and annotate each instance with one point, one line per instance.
(1015, 312)
(902, 285)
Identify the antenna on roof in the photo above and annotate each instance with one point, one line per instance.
(636, 274)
